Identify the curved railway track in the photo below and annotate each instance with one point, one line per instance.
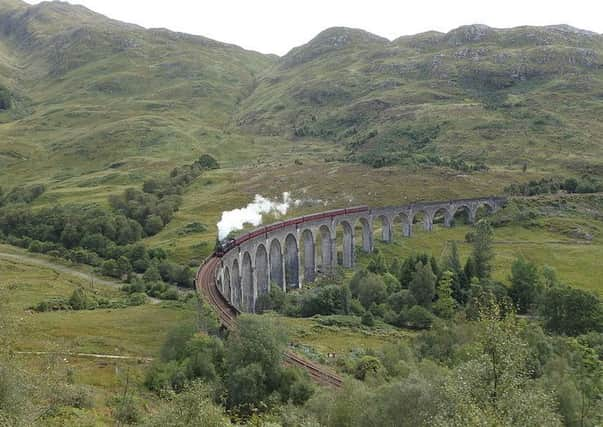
(206, 286)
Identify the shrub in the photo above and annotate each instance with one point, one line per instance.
(368, 319)
(572, 311)
(419, 318)
(367, 365)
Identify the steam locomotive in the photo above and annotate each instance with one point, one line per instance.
(228, 244)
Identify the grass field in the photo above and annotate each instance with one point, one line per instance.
(137, 332)
(575, 260)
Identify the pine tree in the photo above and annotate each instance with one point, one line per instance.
(444, 305)
(482, 249)
(423, 283)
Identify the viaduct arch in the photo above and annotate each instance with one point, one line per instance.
(290, 253)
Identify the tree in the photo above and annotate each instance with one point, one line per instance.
(70, 237)
(368, 365)
(123, 266)
(570, 185)
(493, 386)
(419, 317)
(152, 275)
(253, 361)
(377, 265)
(110, 268)
(368, 319)
(206, 161)
(572, 311)
(444, 305)
(193, 407)
(153, 225)
(371, 290)
(422, 284)
(78, 299)
(524, 284)
(482, 249)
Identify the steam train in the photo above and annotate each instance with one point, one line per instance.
(228, 244)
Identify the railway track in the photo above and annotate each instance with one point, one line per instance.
(206, 286)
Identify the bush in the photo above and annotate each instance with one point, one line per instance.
(330, 299)
(367, 319)
(419, 318)
(572, 311)
(207, 162)
(136, 299)
(367, 365)
(125, 410)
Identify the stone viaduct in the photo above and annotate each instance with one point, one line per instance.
(292, 252)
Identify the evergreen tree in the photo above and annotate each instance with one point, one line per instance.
(460, 284)
(423, 283)
(483, 253)
(444, 305)
(395, 267)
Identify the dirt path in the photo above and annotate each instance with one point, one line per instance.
(88, 355)
(24, 259)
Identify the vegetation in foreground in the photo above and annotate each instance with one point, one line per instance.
(484, 354)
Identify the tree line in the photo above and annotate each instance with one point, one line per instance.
(107, 239)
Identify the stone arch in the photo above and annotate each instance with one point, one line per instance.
(325, 246)
(261, 270)
(402, 220)
(226, 284)
(276, 264)
(462, 214)
(365, 233)
(236, 284)
(441, 215)
(291, 262)
(421, 216)
(247, 285)
(308, 255)
(347, 244)
(383, 232)
(483, 209)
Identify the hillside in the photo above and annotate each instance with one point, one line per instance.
(87, 91)
(81, 94)
(502, 97)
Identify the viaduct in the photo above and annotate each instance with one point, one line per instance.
(290, 253)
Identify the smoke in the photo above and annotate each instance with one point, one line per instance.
(252, 213)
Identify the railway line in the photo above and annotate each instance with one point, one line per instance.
(206, 286)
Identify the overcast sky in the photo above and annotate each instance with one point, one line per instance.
(275, 26)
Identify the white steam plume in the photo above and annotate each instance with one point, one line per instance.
(252, 213)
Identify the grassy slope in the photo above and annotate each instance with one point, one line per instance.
(134, 331)
(100, 91)
(504, 96)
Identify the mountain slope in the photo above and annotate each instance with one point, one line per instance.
(500, 96)
(95, 90)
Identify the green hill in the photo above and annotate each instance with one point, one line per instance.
(499, 96)
(89, 91)
(90, 106)
(80, 92)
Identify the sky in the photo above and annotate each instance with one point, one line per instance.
(276, 26)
